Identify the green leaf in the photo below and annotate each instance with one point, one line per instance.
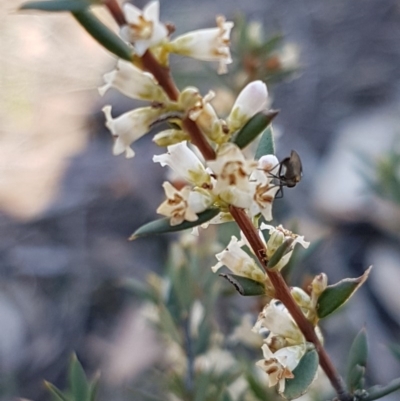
(376, 392)
(280, 252)
(163, 226)
(357, 361)
(266, 146)
(57, 394)
(77, 380)
(304, 375)
(336, 295)
(93, 388)
(102, 34)
(203, 339)
(168, 325)
(254, 127)
(56, 5)
(245, 286)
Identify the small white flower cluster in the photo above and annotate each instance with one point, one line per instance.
(242, 264)
(230, 179)
(285, 345)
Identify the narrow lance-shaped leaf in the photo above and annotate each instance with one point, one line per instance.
(266, 146)
(162, 226)
(78, 383)
(55, 392)
(336, 295)
(93, 387)
(245, 286)
(357, 361)
(254, 127)
(102, 34)
(304, 375)
(56, 5)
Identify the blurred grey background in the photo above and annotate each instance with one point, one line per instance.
(67, 205)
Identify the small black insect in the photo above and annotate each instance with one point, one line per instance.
(289, 173)
(290, 170)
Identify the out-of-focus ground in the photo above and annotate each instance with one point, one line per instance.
(67, 205)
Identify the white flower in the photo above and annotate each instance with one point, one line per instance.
(176, 205)
(184, 163)
(200, 199)
(238, 261)
(133, 82)
(264, 188)
(277, 237)
(143, 29)
(252, 99)
(202, 112)
(129, 127)
(232, 173)
(280, 365)
(289, 56)
(206, 44)
(276, 319)
(284, 346)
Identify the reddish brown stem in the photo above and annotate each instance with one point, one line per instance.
(163, 77)
(115, 11)
(282, 293)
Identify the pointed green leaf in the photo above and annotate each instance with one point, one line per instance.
(102, 34)
(56, 5)
(357, 361)
(245, 286)
(57, 394)
(376, 392)
(266, 146)
(78, 383)
(163, 226)
(280, 252)
(254, 127)
(336, 295)
(93, 387)
(304, 375)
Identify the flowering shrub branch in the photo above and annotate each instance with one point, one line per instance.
(221, 183)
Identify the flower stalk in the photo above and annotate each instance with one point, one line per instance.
(282, 293)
